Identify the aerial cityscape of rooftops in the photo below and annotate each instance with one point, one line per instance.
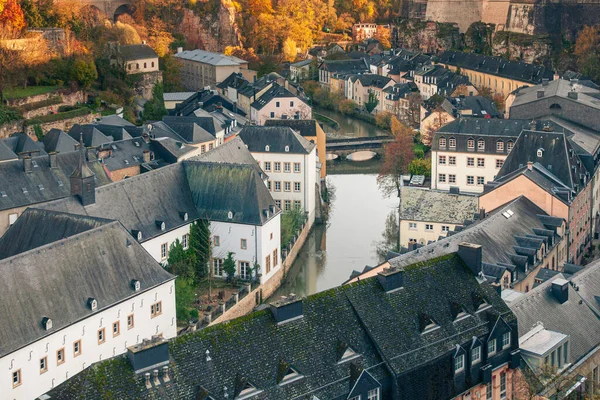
(299, 200)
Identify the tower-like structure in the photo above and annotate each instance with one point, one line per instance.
(83, 180)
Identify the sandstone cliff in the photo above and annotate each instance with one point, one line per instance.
(211, 29)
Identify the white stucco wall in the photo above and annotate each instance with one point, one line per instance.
(285, 108)
(461, 170)
(28, 358)
(153, 245)
(420, 234)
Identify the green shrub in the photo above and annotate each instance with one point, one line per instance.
(8, 114)
(58, 117)
(39, 104)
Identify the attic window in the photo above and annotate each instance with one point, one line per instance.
(248, 391)
(135, 285)
(34, 163)
(184, 216)
(347, 355)
(483, 306)
(540, 152)
(2, 193)
(290, 375)
(41, 187)
(230, 215)
(24, 190)
(137, 234)
(508, 213)
(287, 149)
(427, 324)
(47, 323)
(92, 304)
(60, 183)
(160, 224)
(267, 148)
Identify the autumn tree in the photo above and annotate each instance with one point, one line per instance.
(438, 118)
(389, 237)
(289, 50)
(587, 51)
(84, 71)
(420, 166)
(412, 116)
(12, 18)
(383, 36)
(371, 102)
(398, 155)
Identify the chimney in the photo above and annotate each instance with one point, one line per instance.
(146, 156)
(560, 290)
(532, 125)
(572, 95)
(482, 213)
(471, 255)
(544, 81)
(52, 158)
(555, 76)
(179, 50)
(27, 164)
(287, 309)
(530, 165)
(391, 279)
(540, 94)
(149, 355)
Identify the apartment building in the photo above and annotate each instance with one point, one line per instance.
(202, 69)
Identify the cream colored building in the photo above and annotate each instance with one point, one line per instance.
(201, 69)
(279, 103)
(469, 152)
(135, 58)
(426, 215)
(360, 87)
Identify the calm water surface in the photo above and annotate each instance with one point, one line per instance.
(348, 243)
(349, 127)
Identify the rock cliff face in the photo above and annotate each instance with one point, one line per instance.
(428, 37)
(212, 31)
(528, 48)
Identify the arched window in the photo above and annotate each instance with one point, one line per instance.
(481, 144)
(471, 144)
(145, 65)
(500, 146)
(555, 107)
(442, 142)
(509, 146)
(452, 142)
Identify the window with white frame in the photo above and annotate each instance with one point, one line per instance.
(459, 363)
(491, 347)
(502, 385)
(277, 186)
(499, 145)
(287, 167)
(428, 227)
(296, 186)
(476, 355)
(506, 340)
(451, 160)
(269, 185)
(288, 205)
(243, 244)
(185, 241)
(267, 166)
(218, 266)
(481, 162)
(445, 228)
(442, 160)
(297, 204)
(480, 180)
(216, 241)
(470, 161)
(287, 186)
(452, 143)
(16, 378)
(499, 163)
(155, 310)
(488, 391)
(373, 394)
(296, 167)
(480, 144)
(12, 218)
(412, 226)
(451, 178)
(43, 365)
(277, 166)
(164, 251)
(442, 142)
(470, 144)
(470, 180)
(509, 146)
(278, 203)
(442, 178)
(244, 270)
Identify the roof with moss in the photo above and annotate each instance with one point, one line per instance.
(383, 329)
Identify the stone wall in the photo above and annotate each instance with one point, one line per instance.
(145, 85)
(64, 124)
(9, 128)
(247, 304)
(462, 12)
(68, 98)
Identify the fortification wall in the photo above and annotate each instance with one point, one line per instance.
(495, 12)
(462, 12)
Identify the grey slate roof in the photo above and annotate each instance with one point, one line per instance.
(36, 228)
(55, 281)
(6, 152)
(570, 318)
(345, 66)
(371, 80)
(218, 188)
(588, 284)
(436, 206)
(207, 57)
(59, 141)
(305, 127)
(274, 92)
(114, 120)
(19, 189)
(477, 106)
(498, 66)
(588, 96)
(382, 328)
(132, 52)
(277, 138)
(20, 143)
(233, 151)
(92, 137)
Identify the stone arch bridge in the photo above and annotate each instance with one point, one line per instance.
(111, 8)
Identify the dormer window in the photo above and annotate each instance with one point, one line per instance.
(509, 146)
(267, 148)
(475, 355)
(480, 144)
(161, 225)
(442, 142)
(346, 354)
(47, 323)
(471, 144)
(499, 146)
(540, 152)
(287, 149)
(184, 216)
(135, 285)
(427, 324)
(459, 363)
(137, 234)
(287, 374)
(452, 143)
(92, 304)
(230, 215)
(505, 340)
(248, 391)
(491, 347)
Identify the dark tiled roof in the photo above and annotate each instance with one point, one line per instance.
(257, 138)
(193, 129)
(113, 131)
(92, 137)
(55, 281)
(235, 80)
(218, 188)
(207, 100)
(21, 143)
(36, 228)
(345, 66)
(588, 284)
(496, 66)
(230, 151)
(375, 80)
(6, 152)
(114, 120)
(274, 92)
(305, 127)
(570, 318)
(381, 328)
(478, 106)
(132, 52)
(59, 141)
(20, 189)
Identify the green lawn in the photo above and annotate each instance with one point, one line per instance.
(19, 93)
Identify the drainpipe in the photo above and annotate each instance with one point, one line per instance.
(256, 247)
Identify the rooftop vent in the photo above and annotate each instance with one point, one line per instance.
(135, 285)
(540, 94)
(572, 95)
(287, 309)
(160, 224)
(148, 355)
(540, 152)
(267, 148)
(46, 323)
(92, 304)
(391, 279)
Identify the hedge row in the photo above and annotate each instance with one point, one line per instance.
(58, 117)
(39, 104)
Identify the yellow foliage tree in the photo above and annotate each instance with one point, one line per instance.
(289, 50)
(126, 33)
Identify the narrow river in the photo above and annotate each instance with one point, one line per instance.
(356, 224)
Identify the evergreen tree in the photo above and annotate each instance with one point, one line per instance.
(200, 248)
(229, 266)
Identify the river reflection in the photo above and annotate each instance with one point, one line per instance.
(348, 243)
(349, 127)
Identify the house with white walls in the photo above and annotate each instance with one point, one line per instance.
(76, 290)
(159, 206)
(279, 103)
(291, 164)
